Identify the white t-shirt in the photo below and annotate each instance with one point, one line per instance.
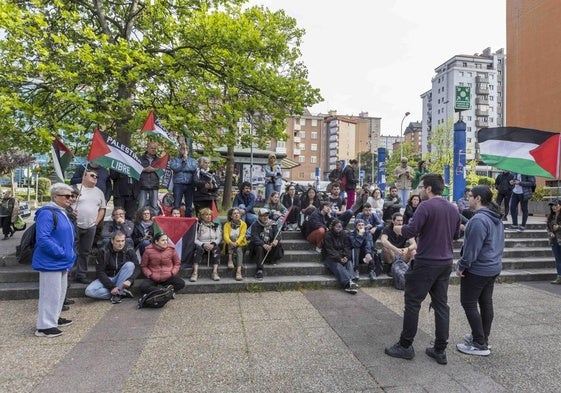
(88, 205)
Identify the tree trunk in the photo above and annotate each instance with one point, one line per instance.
(227, 195)
(122, 122)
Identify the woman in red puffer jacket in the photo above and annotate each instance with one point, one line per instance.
(160, 265)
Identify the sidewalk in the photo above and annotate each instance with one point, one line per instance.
(296, 341)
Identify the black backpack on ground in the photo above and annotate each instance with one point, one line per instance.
(24, 252)
(156, 298)
(376, 263)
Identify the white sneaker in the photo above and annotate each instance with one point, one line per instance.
(468, 339)
(471, 350)
(318, 250)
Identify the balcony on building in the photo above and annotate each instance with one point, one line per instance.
(482, 100)
(296, 152)
(297, 127)
(482, 88)
(482, 122)
(297, 139)
(482, 112)
(482, 79)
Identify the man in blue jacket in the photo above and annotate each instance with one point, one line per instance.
(436, 223)
(245, 202)
(184, 168)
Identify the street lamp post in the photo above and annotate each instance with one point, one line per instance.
(401, 133)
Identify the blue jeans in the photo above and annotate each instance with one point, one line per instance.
(269, 188)
(181, 191)
(98, 291)
(476, 290)
(421, 280)
(404, 195)
(148, 197)
(514, 200)
(343, 273)
(556, 248)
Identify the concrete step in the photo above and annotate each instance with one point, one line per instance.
(30, 290)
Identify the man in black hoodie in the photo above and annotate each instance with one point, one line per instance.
(504, 188)
(116, 269)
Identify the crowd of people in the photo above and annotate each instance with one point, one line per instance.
(411, 226)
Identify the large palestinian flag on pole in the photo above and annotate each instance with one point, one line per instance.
(61, 158)
(153, 127)
(181, 232)
(111, 154)
(521, 150)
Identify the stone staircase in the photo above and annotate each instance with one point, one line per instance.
(527, 257)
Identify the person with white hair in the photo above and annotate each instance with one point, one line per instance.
(53, 257)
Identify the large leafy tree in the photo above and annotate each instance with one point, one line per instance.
(204, 66)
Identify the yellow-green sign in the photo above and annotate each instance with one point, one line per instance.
(463, 98)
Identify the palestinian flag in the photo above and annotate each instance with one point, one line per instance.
(181, 233)
(161, 164)
(521, 150)
(153, 127)
(111, 154)
(61, 158)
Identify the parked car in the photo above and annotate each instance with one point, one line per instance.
(24, 209)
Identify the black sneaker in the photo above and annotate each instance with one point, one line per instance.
(68, 302)
(259, 275)
(116, 299)
(65, 308)
(397, 351)
(51, 332)
(126, 293)
(351, 288)
(64, 322)
(439, 356)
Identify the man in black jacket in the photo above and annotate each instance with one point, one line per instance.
(116, 268)
(504, 188)
(264, 243)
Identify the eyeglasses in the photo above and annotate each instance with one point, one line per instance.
(67, 196)
(93, 176)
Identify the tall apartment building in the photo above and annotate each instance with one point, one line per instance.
(390, 143)
(413, 133)
(485, 74)
(317, 141)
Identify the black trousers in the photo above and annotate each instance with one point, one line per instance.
(421, 280)
(149, 285)
(504, 197)
(478, 290)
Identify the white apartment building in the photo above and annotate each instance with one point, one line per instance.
(485, 74)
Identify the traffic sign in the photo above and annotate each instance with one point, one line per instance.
(463, 98)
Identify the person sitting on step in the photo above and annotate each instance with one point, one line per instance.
(336, 255)
(207, 238)
(264, 243)
(395, 246)
(235, 241)
(160, 265)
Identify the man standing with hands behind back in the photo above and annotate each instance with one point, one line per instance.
(403, 180)
(436, 223)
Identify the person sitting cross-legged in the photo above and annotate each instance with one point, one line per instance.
(395, 246)
(338, 206)
(264, 243)
(336, 255)
(116, 269)
(160, 265)
(316, 224)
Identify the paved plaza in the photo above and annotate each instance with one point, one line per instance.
(294, 341)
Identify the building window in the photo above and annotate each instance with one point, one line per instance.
(314, 147)
(300, 175)
(314, 122)
(281, 144)
(302, 134)
(301, 159)
(468, 129)
(464, 64)
(313, 159)
(314, 135)
(302, 146)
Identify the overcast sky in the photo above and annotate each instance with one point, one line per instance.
(379, 56)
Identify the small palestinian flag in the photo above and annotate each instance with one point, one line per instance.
(112, 154)
(153, 127)
(61, 158)
(181, 233)
(521, 150)
(161, 164)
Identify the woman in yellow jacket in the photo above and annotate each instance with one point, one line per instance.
(235, 241)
